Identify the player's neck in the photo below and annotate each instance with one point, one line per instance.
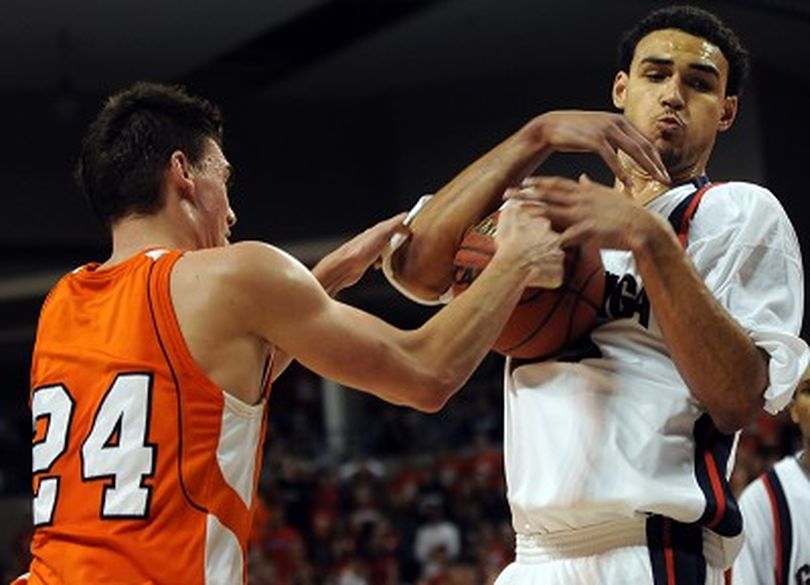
(136, 233)
(644, 188)
(804, 460)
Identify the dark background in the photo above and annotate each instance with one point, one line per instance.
(338, 113)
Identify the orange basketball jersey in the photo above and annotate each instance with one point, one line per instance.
(144, 470)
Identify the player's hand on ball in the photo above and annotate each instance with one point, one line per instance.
(550, 315)
(586, 212)
(523, 231)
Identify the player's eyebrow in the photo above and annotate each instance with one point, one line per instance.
(705, 68)
(697, 65)
(658, 61)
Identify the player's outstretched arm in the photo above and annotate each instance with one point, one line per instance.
(424, 263)
(276, 298)
(347, 264)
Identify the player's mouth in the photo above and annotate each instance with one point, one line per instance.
(670, 123)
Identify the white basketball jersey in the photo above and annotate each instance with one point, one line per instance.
(776, 513)
(610, 430)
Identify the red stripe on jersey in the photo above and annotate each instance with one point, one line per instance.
(690, 212)
(777, 529)
(717, 488)
(669, 554)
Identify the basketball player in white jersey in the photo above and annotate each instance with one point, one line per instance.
(776, 512)
(617, 455)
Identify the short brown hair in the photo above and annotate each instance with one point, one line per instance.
(127, 147)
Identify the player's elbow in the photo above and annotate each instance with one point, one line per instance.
(437, 370)
(429, 405)
(414, 269)
(435, 393)
(735, 417)
(740, 408)
(739, 397)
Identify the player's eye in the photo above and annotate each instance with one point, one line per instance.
(655, 76)
(699, 84)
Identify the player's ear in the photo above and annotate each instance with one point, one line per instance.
(180, 173)
(619, 89)
(730, 104)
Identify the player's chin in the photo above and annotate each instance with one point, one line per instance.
(670, 153)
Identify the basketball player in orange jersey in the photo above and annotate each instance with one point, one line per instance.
(151, 370)
(617, 455)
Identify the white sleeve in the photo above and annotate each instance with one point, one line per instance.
(745, 249)
(755, 565)
(396, 241)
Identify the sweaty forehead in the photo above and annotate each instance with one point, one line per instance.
(679, 46)
(213, 155)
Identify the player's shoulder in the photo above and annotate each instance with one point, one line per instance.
(62, 284)
(250, 269)
(788, 468)
(754, 496)
(241, 260)
(735, 197)
(759, 488)
(744, 208)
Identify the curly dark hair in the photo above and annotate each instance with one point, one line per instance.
(127, 147)
(697, 22)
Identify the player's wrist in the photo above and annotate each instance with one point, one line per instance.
(651, 237)
(538, 132)
(511, 264)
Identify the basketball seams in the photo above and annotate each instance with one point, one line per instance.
(546, 319)
(580, 292)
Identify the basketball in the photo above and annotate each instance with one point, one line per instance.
(544, 321)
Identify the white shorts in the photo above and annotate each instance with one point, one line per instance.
(632, 552)
(622, 566)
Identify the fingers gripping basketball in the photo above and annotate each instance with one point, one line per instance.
(545, 320)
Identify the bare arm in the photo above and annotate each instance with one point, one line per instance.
(346, 265)
(424, 263)
(715, 357)
(279, 300)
